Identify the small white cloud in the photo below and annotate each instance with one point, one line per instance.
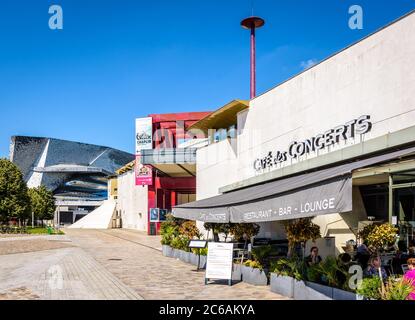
(308, 64)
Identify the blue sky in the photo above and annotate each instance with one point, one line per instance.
(118, 60)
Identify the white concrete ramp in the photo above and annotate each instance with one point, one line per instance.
(100, 218)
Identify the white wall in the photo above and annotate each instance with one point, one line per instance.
(374, 77)
(132, 202)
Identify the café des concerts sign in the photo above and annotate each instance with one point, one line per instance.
(333, 136)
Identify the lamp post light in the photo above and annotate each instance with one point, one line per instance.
(252, 23)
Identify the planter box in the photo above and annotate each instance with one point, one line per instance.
(176, 253)
(236, 272)
(184, 256)
(187, 257)
(167, 250)
(317, 290)
(282, 285)
(303, 291)
(339, 294)
(194, 260)
(254, 276)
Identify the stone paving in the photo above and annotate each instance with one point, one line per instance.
(105, 264)
(66, 273)
(136, 260)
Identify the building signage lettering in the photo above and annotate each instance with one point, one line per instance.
(307, 207)
(333, 136)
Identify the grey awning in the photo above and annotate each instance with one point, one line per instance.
(310, 194)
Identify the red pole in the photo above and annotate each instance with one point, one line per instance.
(253, 85)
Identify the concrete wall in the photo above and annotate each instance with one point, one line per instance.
(215, 165)
(374, 77)
(132, 202)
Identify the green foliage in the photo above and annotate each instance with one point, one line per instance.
(41, 230)
(300, 231)
(253, 264)
(397, 289)
(329, 270)
(313, 273)
(14, 199)
(239, 230)
(168, 233)
(169, 229)
(261, 254)
(180, 242)
(370, 288)
(202, 251)
(190, 230)
(42, 203)
(382, 236)
(366, 231)
(291, 267)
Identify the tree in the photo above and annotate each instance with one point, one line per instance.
(190, 230)
(14, 198)
(299, 231)
(244, 231)
(42, 203)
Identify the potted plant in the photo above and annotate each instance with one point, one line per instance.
(284, 273)
(253, 273)
(299, 231)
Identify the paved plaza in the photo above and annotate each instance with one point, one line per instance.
(105, 264)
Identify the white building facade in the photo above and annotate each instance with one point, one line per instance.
(357, 104)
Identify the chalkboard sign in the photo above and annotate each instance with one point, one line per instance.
(197, 243)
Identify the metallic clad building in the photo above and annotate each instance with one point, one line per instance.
(76, 172)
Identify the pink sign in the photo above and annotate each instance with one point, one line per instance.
(143, 173)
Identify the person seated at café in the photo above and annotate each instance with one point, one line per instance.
(363, 254)
(313, 258)
(410, 276)
(402, 251)
(372, 269)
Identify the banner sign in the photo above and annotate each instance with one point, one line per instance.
(219, 261)
(143, 134)
(333, 196)
(143, 173)
(162, 214)
(154, 214)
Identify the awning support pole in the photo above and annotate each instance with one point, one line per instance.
(390, 198)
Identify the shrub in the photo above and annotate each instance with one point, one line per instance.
(261, 254)
(181, 243)
(366, 231)
(253, 264)
(382, 236)
(329, 271)
(370, 288)
(299, 231)
(397, 289)
(291, 267)
(189, 230)
(241, 230)
(202, 251)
